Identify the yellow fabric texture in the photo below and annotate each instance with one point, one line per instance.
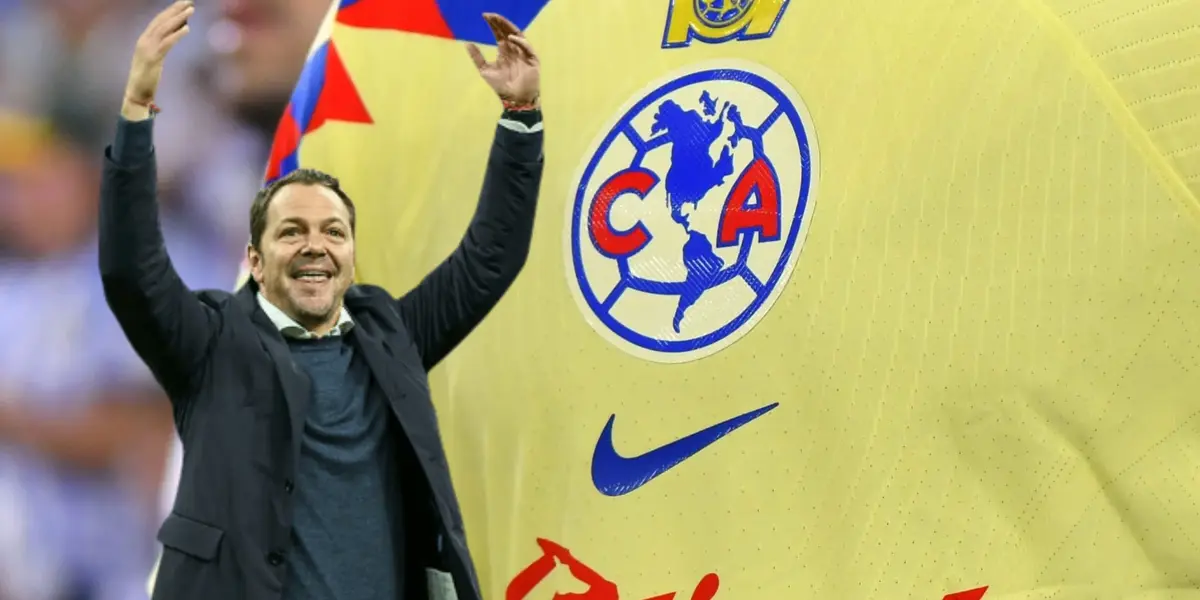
(984, 357)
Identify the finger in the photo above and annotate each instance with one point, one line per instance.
(159, 24)
(512, 52)
(507, 51)
(477, 56)
(525, 46)
(170, 21)
(173, 38)
(497, 32)
(156, 22)
(175, 22)
(505, 25)
(495, 27)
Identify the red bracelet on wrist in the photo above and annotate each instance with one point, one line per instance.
(520, 106)
(151, 106)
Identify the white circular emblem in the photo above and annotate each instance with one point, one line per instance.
(691, 211)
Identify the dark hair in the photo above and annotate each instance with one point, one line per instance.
(262, 201)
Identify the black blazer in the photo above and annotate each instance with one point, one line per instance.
(239, 401)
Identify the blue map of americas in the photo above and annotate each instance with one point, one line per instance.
(692, 175)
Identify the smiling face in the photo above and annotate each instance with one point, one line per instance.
(304, 261)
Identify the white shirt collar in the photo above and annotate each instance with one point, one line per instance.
(290, 328)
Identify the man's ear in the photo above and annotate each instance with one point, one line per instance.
(255, 260)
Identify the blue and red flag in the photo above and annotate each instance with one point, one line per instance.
(326, 91)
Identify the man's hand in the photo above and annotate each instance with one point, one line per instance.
(152, 47)
(515, 73)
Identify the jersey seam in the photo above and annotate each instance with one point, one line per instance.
(1120, 109)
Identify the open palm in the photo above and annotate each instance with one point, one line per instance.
(514, 75)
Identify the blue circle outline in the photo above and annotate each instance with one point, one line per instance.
(793, 115)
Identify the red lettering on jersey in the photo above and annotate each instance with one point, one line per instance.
(608, 240)
(599, 588)
(553, 554)
(974, 594)
(736, 217)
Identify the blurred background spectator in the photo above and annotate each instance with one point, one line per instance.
(84, 431)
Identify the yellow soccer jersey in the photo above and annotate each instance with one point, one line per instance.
(855, 299)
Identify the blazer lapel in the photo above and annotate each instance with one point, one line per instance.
(297, 387)
(417, 420)
(385, 370)
(376, 356)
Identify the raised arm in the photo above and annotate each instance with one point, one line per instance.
(460, 292)
(165, 323)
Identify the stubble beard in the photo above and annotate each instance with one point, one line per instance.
(311, 312)
(314, 311)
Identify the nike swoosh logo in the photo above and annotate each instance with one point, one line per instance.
(616, 475)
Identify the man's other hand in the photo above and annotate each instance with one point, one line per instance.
(152, 47)
(514, 75)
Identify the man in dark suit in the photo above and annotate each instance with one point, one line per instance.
(313, 467)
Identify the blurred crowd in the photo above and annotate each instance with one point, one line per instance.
(84, 431)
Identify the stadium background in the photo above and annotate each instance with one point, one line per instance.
(983, 359)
